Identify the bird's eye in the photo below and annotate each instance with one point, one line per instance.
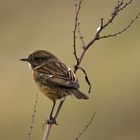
(39, 58)
(36, 58)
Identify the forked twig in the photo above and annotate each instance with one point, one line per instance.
(123, 30)
(78, 29)
(120, 6)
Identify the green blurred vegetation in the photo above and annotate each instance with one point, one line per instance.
(113, 66)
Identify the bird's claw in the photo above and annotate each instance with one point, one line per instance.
(50, 121)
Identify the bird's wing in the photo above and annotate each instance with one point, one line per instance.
(57, 74)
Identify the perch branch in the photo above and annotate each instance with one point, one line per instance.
(52, 122)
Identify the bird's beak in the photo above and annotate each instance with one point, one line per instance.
(25, 59)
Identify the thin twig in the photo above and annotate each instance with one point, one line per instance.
(86, 127)
(116, 11)
(33, 117)
(77, 9)
(78, 29)
(120, 6)
(126, 4)
(123, 30)
(86, 78)
(81, 36)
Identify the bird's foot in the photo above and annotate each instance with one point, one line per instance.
(50, 121)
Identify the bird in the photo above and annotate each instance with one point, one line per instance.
(54, 78)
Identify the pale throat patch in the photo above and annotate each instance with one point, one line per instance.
(35, 67)
(30, 66)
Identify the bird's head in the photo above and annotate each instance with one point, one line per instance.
(38, 58)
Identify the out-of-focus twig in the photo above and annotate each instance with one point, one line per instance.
(33, 117)
(86, 127)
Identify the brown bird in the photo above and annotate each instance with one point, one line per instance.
(53, 77)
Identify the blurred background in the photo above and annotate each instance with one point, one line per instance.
(113, 67)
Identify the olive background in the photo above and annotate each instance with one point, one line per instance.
(113, 67)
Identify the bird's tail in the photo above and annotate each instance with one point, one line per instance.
(78, 94)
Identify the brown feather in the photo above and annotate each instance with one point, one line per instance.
(78, 94)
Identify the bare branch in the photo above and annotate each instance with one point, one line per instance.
(123, 30)
(80, 35)
(78, 29)
(116, 11)
(120, 6)
(77, 10)
(87, 126)
(126, 4)
(86, 78)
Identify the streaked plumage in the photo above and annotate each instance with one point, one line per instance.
(54, 79)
